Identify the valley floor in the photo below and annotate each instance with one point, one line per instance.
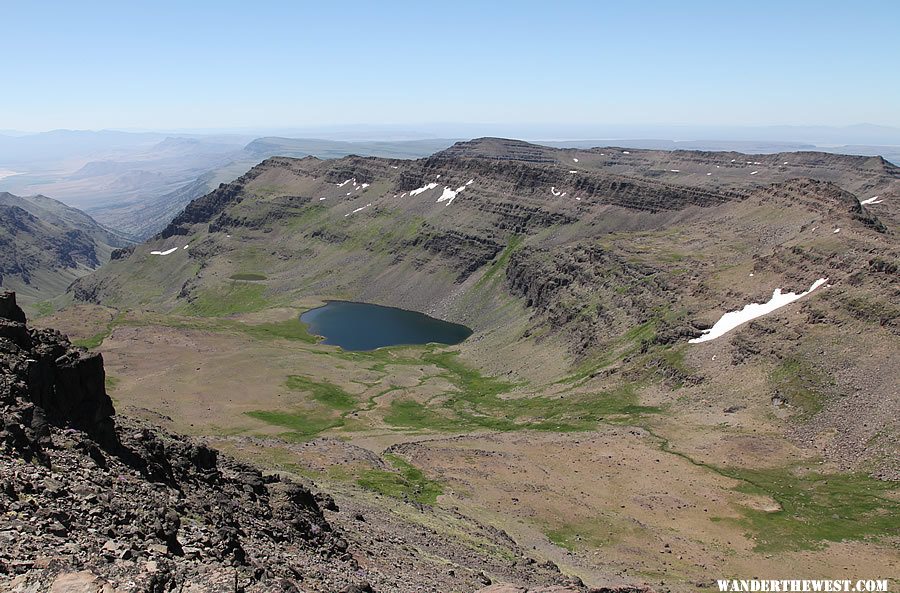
(617, 483)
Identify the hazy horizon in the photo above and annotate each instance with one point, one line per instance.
(818, 135)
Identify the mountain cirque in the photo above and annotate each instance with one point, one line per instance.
(94, 503)
(578, 418)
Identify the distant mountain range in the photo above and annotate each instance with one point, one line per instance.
(136, 183)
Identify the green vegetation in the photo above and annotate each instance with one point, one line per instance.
(476, 404)
(817, 508)
(408, 413)
(871, 310)
(43, 308)
(249, 277)
(382, 233)
(407, 483)
(500, 263)
(111, 382)
(93, 341)
(237, 297)
(97, 339)
(307, 423)
(799, 384)
(291, 329)
(323, 392)
(302, 425)
(582, 535)
(627, 345)
(305, 216)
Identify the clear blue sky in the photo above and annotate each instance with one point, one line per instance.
(195, 64)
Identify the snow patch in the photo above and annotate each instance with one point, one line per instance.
(835, 231)
(573, 171)
(449, 195)
(574, 159)
(346, 182)
(733, 319)
(423, 189)
(555, 191)
(675, 170)
(872, 200)
(166, 252)
(357, 210)
(625, 152)
(754, 173)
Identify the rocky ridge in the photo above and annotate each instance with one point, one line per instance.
(45, 245)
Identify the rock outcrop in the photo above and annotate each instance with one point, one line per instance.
(578, 290)
(46, 380)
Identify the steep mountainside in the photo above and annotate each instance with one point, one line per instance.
(519, 193)
(47, 244)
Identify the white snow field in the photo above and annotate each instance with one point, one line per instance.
(733, 319)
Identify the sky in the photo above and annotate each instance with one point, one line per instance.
(230, 65)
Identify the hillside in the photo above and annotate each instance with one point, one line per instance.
(591, 409)
(47, 245)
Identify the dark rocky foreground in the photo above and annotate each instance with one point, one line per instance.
(90, 503)
(127, 502)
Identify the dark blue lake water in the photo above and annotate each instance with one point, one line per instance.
(362, 326)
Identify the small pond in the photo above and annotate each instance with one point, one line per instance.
(363, 326)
